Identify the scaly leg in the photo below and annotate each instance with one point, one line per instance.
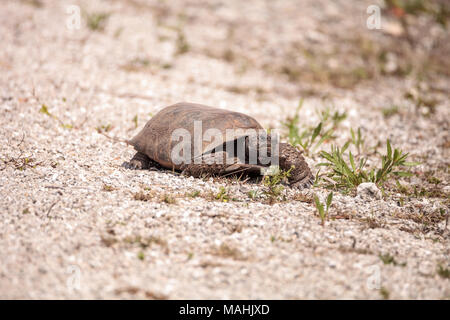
(139, 161)
(301, 176)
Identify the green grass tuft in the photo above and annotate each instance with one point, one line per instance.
(347, 171)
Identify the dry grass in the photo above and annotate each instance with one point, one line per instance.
(227, 251)
(421, 218)
(110, 240)
(155, 197)
(135, 291)
(306, 198)
(108, 188)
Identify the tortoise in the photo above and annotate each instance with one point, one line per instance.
(158, 142)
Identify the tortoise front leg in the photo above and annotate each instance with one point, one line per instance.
(300, 175)
(140, 161)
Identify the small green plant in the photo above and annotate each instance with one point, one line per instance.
(390, 111)
(96, 21)
(308, 142)
(44, 110)
(388, 259)
(253, 194)
(345, 176)
(20, 163)
(182, 46)
(222, 195)
(348, 174)
(193, 194)
(141, 255)
(443, 272)
(357, 140)
(135, 121)
(166, 198)
(104, 128)
(384, 293)
(273, 183)
(67, 126)
(322, 209)
(307, 138)
(312, 138)
(336, 118)
(389, 164)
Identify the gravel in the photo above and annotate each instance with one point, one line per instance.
(70, 225)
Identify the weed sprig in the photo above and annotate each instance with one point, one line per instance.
(322, 209)
(312, 138)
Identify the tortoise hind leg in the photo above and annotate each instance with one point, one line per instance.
(140, 161)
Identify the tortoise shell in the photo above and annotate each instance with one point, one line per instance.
(155, 139)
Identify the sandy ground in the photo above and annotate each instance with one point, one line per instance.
(70, 226)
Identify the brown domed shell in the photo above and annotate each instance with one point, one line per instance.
(155, 139)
